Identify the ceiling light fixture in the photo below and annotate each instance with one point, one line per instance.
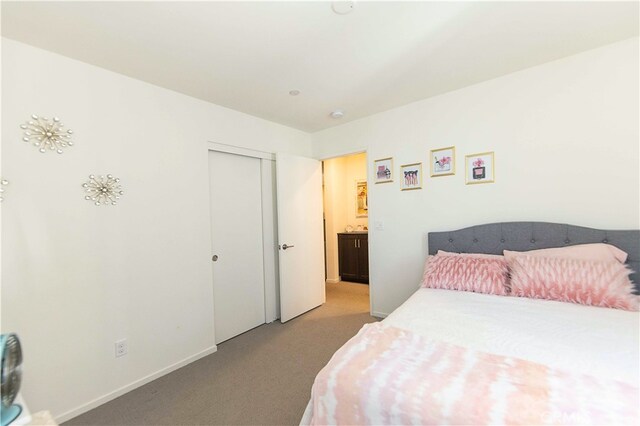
(294, 92)
(337, 114)
(342, 7)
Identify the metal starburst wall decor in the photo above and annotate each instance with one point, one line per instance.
(47, 134)
(103, 190)
(3, 182)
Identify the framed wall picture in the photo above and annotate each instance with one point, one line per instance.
(479, 168)
(362, 207)
(411, 176)
(383, 170)
(443, 161)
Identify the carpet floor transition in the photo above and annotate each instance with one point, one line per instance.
(262, 377)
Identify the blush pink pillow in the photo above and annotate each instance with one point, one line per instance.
(604, 284)
(599, 252)
(467, 273)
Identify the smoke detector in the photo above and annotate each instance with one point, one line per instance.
(342, 7)
(337, 114)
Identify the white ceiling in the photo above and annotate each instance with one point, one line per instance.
(249, 55)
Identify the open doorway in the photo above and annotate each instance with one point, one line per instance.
(346, 225)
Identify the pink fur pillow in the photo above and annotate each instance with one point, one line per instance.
(467, 273)
(599, 252)
(604, 284)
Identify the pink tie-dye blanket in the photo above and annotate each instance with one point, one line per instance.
(389, 376)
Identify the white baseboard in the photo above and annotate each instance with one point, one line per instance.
(60, 418)
(379, 314)
(333, 280)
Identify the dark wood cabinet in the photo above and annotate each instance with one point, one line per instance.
(363, 259)
(353, 257)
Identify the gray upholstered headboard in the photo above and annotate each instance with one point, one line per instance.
(492, 238)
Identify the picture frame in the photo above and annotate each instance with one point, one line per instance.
(480, 168)
(362, 202)
(410, 176)
(442, 161)
(383, 170)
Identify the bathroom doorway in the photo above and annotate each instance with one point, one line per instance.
(346, 224)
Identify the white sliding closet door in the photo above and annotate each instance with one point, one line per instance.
(236, 235)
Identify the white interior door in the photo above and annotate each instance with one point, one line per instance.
(236, 235)
(300, 234)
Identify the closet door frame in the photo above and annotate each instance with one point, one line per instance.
(269, 223)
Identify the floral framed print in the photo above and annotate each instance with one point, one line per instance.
(411, 176)
(480, 168)
(383, 170)
(362, 208)
(443, 161)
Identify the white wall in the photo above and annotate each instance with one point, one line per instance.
(565, 136)
(356, 166)
(340, 177)
(76, 277)
(335, 212)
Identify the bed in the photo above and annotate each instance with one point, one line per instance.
(583, 361)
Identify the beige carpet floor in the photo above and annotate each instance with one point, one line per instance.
(262, 377)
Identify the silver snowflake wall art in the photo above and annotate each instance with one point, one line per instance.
(3, 182)
(103, 190)
(47, 134)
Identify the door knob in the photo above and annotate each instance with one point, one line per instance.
(215, 258)
(284, 246)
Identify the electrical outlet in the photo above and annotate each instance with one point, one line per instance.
(121, 348)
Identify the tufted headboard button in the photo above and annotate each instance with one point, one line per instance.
(502, 240)
(475, 240)
(533, 241)
(605, 241)
(450, 240)
(567, 241)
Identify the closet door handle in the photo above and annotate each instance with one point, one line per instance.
(284, 246)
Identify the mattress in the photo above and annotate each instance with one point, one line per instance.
(600, 342)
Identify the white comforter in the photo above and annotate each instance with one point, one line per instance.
(584, 339)
(599, 342)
